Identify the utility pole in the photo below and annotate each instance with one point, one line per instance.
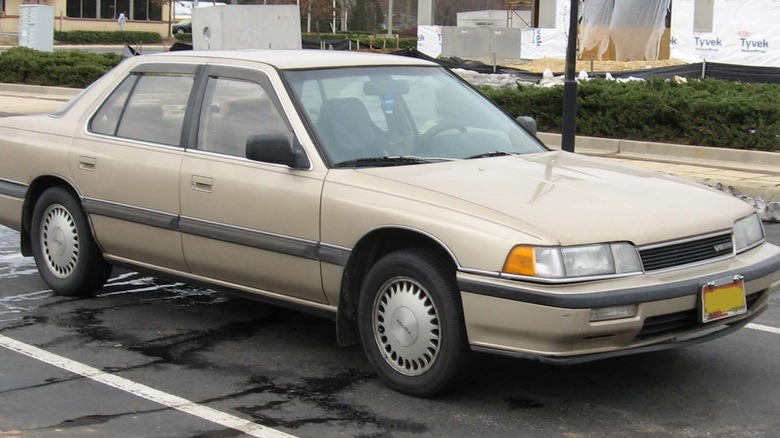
(570, 84)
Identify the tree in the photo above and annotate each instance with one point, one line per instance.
(366, 15)
(321, 13)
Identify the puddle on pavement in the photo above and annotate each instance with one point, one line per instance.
(523, 403)
(324, 393)
(12, 263)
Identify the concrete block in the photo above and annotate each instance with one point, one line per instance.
(246, 27)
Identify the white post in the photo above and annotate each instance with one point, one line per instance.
(425, 12)
(389, 17)
(703, 15)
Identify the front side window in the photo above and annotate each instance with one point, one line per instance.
(234, 110)
(363, 115)
(147, 107)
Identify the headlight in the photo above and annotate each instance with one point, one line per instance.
(573, 262)
(748, 232)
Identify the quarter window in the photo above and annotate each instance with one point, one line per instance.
(106, 119)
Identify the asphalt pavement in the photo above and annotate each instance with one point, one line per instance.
(148, 357)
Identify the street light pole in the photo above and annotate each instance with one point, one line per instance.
(570, 84)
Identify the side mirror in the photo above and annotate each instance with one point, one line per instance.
(276, 148)
(528, 123)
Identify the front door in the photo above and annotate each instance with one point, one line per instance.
(245, 223)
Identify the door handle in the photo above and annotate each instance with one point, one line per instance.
(201, 183)
(87, 163)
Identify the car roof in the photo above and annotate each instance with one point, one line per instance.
(304, 58)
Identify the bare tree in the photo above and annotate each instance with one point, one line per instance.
(366, 15)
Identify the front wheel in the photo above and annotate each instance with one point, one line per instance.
(411, 323)
(67, 257)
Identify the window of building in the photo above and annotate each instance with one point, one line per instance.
(139, 10)
(81, 8)
(108, 9)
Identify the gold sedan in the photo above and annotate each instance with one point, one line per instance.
(384, 193)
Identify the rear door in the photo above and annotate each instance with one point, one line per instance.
(126, 165)
(248, 223)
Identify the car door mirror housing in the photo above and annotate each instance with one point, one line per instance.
(276, 148)
(529, 123)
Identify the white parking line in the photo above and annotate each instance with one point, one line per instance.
(143, 391)
(763, 328)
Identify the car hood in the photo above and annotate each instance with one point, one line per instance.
(572, 199)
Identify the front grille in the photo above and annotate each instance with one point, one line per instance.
(661, 325)
(676, 254)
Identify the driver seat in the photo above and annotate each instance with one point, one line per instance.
(346, 130)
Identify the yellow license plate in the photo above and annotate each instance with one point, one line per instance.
(723, 298)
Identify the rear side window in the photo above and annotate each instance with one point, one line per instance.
(146, 107)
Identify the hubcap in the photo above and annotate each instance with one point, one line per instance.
(59, 240)
(406, 326)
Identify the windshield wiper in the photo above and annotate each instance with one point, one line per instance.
(491, 154)
(396, 160)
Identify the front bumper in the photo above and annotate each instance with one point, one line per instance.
(552, 322)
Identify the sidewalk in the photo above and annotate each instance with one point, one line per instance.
(756, 174)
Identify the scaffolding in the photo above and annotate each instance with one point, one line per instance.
(512, 8)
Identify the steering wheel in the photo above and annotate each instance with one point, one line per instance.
(444, 125)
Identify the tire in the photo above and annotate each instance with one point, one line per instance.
(410, 319)
(65, 253)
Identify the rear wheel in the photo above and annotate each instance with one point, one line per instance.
(67, 257)
(411, 323)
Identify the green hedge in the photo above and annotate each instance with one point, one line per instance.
(377, 41)
(702, 112)
(183, 37)
(107, 37)
(76, 68)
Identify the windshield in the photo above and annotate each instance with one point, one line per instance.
(402, 115)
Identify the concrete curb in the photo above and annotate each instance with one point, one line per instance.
(38, 90)
(701, 155)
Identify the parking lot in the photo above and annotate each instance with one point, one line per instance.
(149, 357)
